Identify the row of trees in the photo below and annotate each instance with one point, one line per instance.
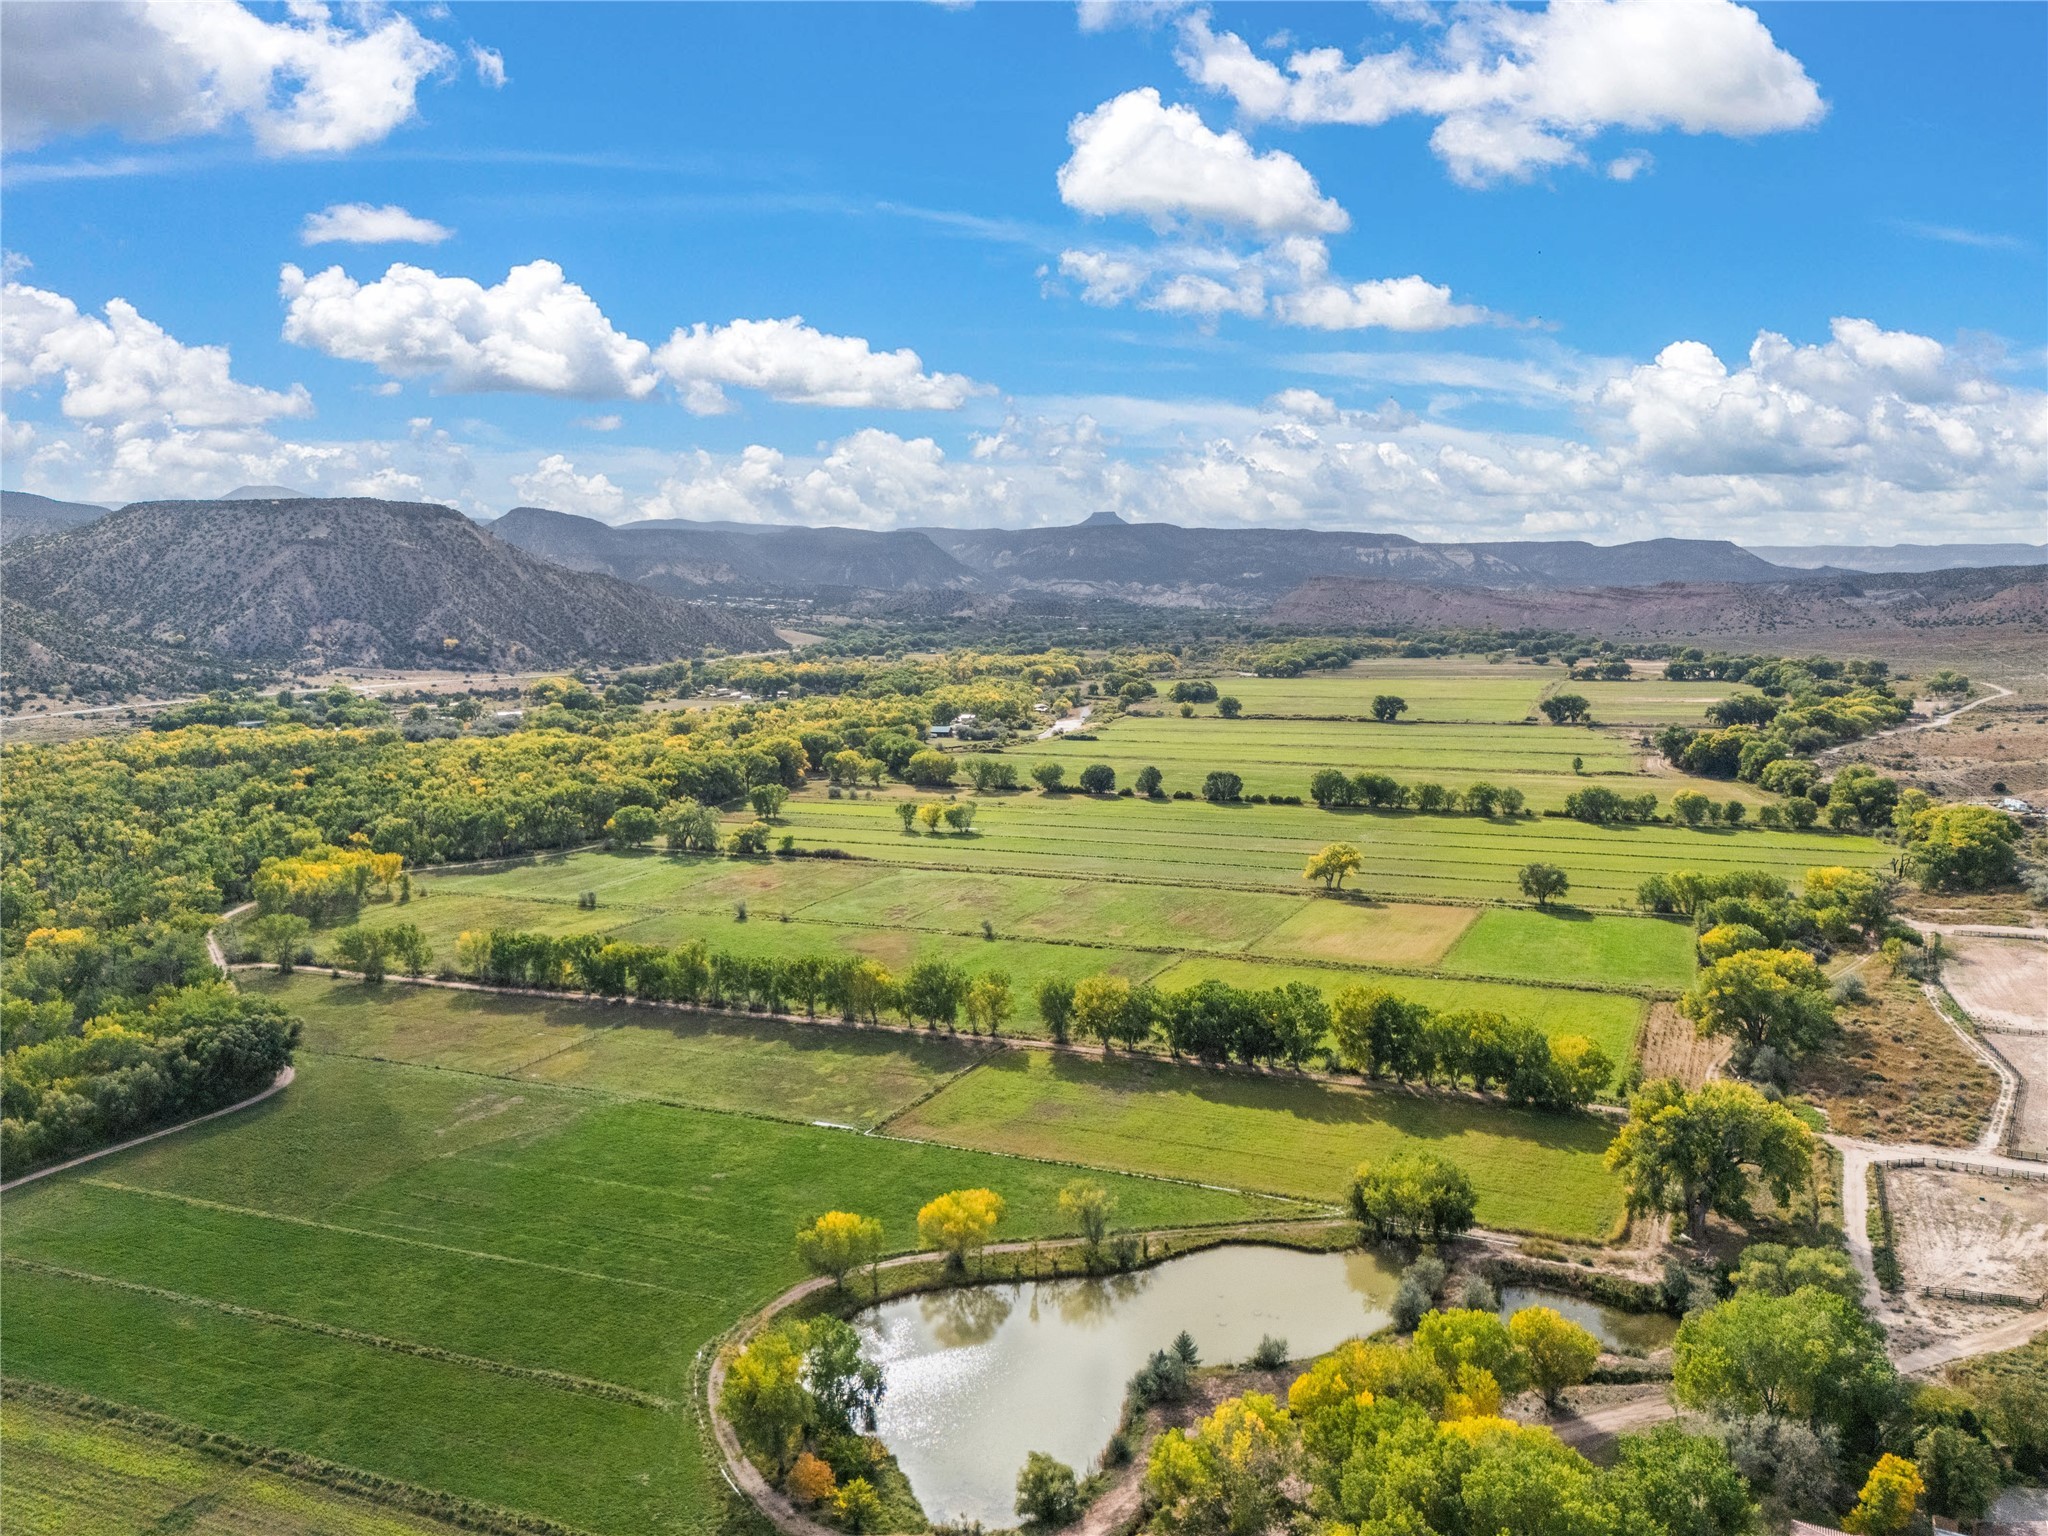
(1380, 1034)
(932, 992)
(1333, 789)
(1370, 1029)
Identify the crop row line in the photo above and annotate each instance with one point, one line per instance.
(198, 1202)
(433, 1503)
(562, 1380)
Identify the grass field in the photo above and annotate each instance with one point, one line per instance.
(1534, 1171)
(1258, 847)
(1435, 691)
(521, 1228)
(709, 1061)
(1575, 946)
(72, 1476)
(1277, 756)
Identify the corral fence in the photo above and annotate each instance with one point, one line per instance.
(1985, 1298)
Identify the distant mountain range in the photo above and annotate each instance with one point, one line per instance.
(343, 582)
(24, 515)
(1157, 564)
(2014, 596)
(1890, 558)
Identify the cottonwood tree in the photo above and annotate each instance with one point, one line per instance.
(988, 1002)
(1332, 862)
(633, 826)
(1388, 707)
(1566, 708)
(1055, 999)
(1089, 1207)
(1694, 1153)
(278, 937)
(1776, 998)
(1415, 1195)
(1560, 1353)
(1810, 1356)
(838, 1243)
(1543, 882)
(960, 1223)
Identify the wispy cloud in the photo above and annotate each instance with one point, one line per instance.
(1951, 234)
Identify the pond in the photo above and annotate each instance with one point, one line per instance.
(981, 1376)
(1626, 1333)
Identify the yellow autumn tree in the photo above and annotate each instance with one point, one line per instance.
(960, 1222)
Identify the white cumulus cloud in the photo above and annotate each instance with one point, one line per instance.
(1391, 303)
(125, 372)
(363, 224)
(535, 332)
(160, 69)
(1889, 406)
(1135, 155)
(788, 360)
(1517, 91)
(554, 483)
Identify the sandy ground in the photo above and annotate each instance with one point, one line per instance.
(2028, 1056)
(2001, 983)
(1671, 1047)
(1977, 1233)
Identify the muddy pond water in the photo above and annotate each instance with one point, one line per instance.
(980, 1376)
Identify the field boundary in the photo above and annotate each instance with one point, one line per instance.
(282, 1082)
(992, 1044)
(373, 1487)
(563, 1380)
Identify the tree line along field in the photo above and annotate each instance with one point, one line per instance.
(488, 1288)
(1573, 955)
(656, 898)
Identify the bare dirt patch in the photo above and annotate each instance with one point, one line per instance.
(1999, 982)
(1898, 1072)
(1967, 1232)
(1970, 1231)
(1671, 1047)
(2028, 1056)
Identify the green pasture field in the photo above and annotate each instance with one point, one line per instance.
(1534, 1172)
(73, 1476)
(1654, 702)
(706, 1060)
(1608, 1019)
(1277, 757)
(1407, 855)
(1434, 691)
(618, 1044)
(1044, 927)
(515, 1225)
(1568, 944)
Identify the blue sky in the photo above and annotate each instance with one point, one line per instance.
(1615, 269)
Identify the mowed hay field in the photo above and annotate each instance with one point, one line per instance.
(702, 1060)
(1408, 855)
(1465, 722)
(487, 1287)
(1540, 1172)
(74, 1475)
